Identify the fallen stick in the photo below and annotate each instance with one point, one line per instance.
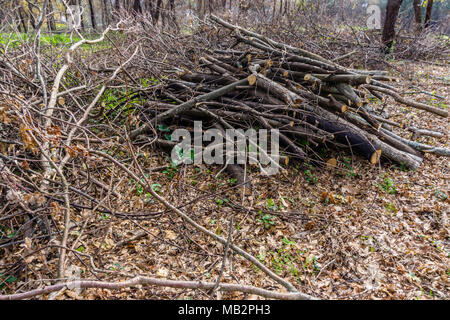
(425, 132)
(408, 102)
(444, 152)
(142, 280)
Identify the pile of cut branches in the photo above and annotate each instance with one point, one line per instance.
(255, 80)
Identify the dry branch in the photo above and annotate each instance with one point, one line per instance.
(141, 280)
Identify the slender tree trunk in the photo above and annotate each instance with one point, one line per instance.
(274, 10)
(23, 22)
(51, 17)
(210, 6)
(105, 13)
(201, 8)
(92, 14)
(82, 12)
(418, 14)
(172, 13)
(149, 7)
(31, 17)
(157, 12)
(137, 6)
(392, 9)
(427, 22)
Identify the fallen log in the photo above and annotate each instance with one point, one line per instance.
(411, 103)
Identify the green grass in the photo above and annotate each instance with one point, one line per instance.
(15, 40)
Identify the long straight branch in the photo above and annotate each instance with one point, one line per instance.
(141, 280)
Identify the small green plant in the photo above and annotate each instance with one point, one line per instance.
(145, 82)
(443, 105)
(139, 189)
(441, 195)
(6, 233)
(4, 280)
(388, 186)
(304, 143)
(271, 204)
(156, 187)
(350, 171)
(171, 171)
(163, 128)
(403, 167)
(310, 177)
(323, 152)
(390, 207)
(116, 266)
(119, 102)
(105, 216)
(290, 259)
(266, 220)
(219, 202)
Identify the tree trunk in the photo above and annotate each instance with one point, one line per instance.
(392, 9)
(172, 14)
(201, 8)
(428, 14)
(82, 10)
(23, 20)
(157, 12)
(137, 6)
(418, 14)
(92, 15)
(105, 13)
(51, 17)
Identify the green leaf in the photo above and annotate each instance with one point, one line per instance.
(163, 128)
(156, 187)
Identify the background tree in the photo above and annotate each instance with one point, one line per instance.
(417, 4)
(418, 13)
(428, 13)
(392, 8)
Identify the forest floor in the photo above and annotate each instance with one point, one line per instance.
(354, 232)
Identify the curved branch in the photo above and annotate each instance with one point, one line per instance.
(141, 280)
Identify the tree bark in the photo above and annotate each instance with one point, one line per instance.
(157, 12)
(137, 7)
(23, 20)
(428, 14)
(392, 9)
(51, 17)
(418, 14)
(92, 15)
(105, 13)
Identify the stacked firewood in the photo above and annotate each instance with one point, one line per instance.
(258, 81)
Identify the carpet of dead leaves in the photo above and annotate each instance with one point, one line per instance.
(353, 232)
